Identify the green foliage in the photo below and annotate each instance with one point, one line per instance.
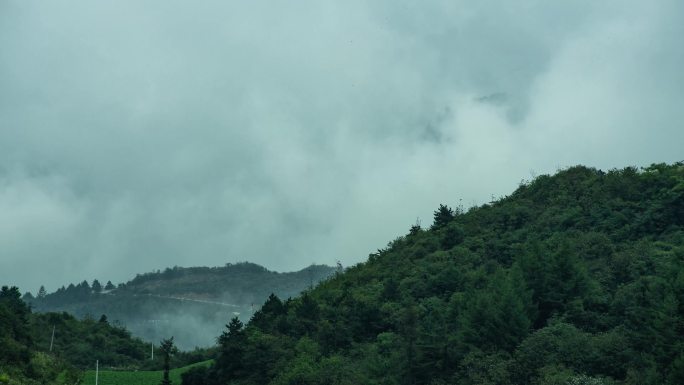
(15, 338)
(576, 278)
(81, 342)
(231, 353)
(20, 362)
(442, 217)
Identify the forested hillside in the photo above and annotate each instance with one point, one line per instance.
(191, 304)
(27, 357)
(576, 278)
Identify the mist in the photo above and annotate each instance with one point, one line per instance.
(140, 135)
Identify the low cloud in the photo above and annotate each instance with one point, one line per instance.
(140, 135)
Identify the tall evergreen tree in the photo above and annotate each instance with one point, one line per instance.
(443, 216)
(96, 287)
(230, 360)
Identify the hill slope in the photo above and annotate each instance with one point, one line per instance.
(192, 304)
(29, 354)
(576, 278)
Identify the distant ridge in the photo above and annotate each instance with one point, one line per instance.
(190, 303)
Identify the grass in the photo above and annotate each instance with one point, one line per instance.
(142, 377)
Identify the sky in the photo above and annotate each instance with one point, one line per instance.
(138, 135)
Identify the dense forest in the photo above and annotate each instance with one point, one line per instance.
(191, 304)
(576, 278)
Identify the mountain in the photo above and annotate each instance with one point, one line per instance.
(575, 278)
(191, 304)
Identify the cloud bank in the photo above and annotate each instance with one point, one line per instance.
(136, 135)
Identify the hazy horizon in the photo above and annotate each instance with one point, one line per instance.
(139, 135)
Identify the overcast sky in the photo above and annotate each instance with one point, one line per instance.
(136, 135)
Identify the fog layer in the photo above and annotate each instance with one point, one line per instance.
(136, 135)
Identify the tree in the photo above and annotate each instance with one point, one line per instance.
(496, 317)
(15, 336)
(83, 289)
(41, 292)
(308, 308)
(443, 216)
(168, 349)
(109, 286)
(96, 287)
(415, 229)
(451, 236)
(271, 310)
(229, 363)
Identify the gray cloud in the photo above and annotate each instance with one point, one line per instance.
(139, 135)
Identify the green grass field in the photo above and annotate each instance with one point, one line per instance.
(114, 377)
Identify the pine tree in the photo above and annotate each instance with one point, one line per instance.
(443, 216)
(41, 292)
(264, 317)
(496, 317)
(230, 361)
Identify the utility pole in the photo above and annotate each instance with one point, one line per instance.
(52, 339)
(97, 370)
(152, 351)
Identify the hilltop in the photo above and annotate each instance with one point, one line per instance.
(575, 278)
(192, 304)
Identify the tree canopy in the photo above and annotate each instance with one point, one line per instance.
(576, 278)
